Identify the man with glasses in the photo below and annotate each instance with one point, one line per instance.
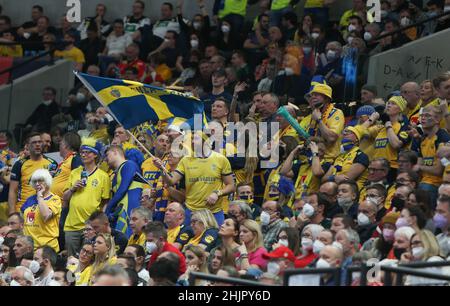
(87, 191)
(98, 223)
(407, 159)
(271, 223)
(410, 91)
(378, 174)
(19, 187)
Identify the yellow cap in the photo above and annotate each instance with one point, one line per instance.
(357, 130)
(323, 89)
(399, 101)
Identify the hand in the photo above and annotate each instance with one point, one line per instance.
(388, 124)
(242, 249)
(313, 147)
(340, 178)
(293, 222)
(316, 115)
(406, 257)
(302, 218)
(40, 193)
(212, 198)
(240, 87)
(374, 117)
(158, 163)
(413, 133)
(416, 168)
(252, 110)
(78, 185)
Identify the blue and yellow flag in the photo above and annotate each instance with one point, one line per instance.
(132, 103)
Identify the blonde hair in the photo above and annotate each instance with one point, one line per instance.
(202, 256)
(430, 244)
(41, 175)
(101, 260)
(206, 217)
(254, 227)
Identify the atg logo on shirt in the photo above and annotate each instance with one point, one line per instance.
(381, 143)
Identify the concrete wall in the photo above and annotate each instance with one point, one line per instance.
(20, 10)
(27, 91)
(416, 61)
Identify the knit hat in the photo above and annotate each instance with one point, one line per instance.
(371, 88)
(323, 89)
(399, 101)
(366, 110)
(390, 218)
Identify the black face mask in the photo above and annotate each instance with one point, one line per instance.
(384, 118)
(397, 203)
(398, 253)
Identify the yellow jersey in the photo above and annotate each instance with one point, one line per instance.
(202, 177)
(137, 239)
(100, 134)
(74, 55)
(83, 277)
(43, 233)
(344, 162)
(334, 119)
(427, 149)
(22, 171)
(11, 51)
(314, 3)
(383, 148)
(413, 114)
(366, 144)
(62, 174)
(151, 173)
(305, 181)
(88, 199)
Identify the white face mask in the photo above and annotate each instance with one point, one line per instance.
(47, 102)
(322, 263)
(351, 28)
(307, 244)
(196, 25)
(273, 268)
(405, 21)
(318, 246)
(367, 36)
(15, 284)
(363, 219)
(445, 162)
(337, 245)
(34, 266)
(80, 97)
(350, 39)
(225, 28)
(284, 242)
(289, 71)
(373, 200)
(345, 203)
(331, 55)
(418, 252)
(315, 35)
(308, 210)
(265, 218)
(194, 43)
(150, 247)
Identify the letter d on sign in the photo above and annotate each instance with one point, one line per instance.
(74, 14)
(375, 9)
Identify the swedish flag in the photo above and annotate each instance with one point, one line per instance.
(132, 103)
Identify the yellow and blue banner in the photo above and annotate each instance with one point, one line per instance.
(132, 103)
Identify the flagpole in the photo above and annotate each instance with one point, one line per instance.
(94, 93)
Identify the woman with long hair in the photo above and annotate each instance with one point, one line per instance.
(205, 229)
(83, 270)
(104, 253)
(196, 261)
(252, 248)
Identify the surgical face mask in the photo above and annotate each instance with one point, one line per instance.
(445, 162)
(308, 210)
(322, 263)
(225, 29)
(273, 268)
(289, 71)
(14, 283)
(405, 21)
(367, 36)
(350, 39)
(331, 55)
(338, 245)
(80, 97)
(363, 219)
(351, 28)
(34, 266)
(284, 242)
(194, 43)
(418, 252)
(47, 102)
(307, 50)
(265, 218)
(196, 25)
(401, 222)
(440, 221)
(315, 35)
(345, 203)
(388, 234)
(307, 244)
(150, 247)
(373, 200)
(318, 246)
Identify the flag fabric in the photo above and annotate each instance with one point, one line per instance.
(132, 103)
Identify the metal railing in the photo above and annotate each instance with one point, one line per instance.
(193, 276)
(335, 272)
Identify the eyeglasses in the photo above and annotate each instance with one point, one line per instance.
(402, 181)
(83, 250)
(193, 221)
(374, 169)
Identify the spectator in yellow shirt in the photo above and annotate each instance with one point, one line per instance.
(71, 52)
(140, 217)
(10, 51)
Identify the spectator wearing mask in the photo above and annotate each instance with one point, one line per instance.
(348, 240)
(36, 35)
(402, 239)
(441, 220)
(83, 196)
(251, 236)
(244, 192)
(330, 66)
(359, 8)
(42, 212)
(313, 212)
(168, 23)
(325, 121)
(372, 31)
(40, 119)
(271, 222)
(413, 217)
(330, 257)
(100, 225)
(140, 217)
(347, 198)
(172, 54)
(309, 235)
(377, 194)
(367, 224)
(280, 259)
(37, 11)
(352, 163)
(289, 237)
(71, 52)
(46, 257)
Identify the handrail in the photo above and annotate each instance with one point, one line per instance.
(335, 271)
(29, 60)
(400, 271)
(231, 280)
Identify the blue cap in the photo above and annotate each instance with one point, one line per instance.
(365, 110)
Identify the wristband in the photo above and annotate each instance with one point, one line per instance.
(218, 192)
